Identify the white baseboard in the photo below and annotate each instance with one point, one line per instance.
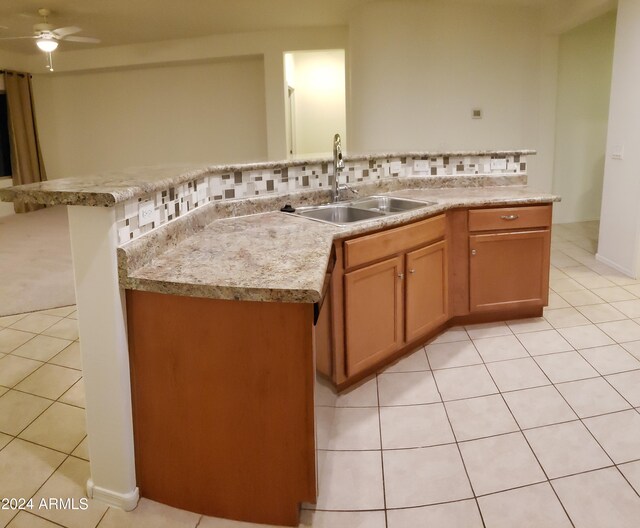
(611, 264)
(124, 501)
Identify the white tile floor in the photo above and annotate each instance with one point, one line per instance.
(525, 423)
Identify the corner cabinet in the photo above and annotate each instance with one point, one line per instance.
(509, 252)
(393, 293)
(393, 290)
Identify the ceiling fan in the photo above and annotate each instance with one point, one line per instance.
(47, 37)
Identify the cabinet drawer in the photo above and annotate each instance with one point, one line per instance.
(509, 218)
(386, 243)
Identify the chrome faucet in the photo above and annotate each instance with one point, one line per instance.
(338, 165)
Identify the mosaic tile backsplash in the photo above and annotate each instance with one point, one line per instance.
(139, 216)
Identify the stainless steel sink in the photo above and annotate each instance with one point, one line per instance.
(389, 204)
(338, 214)
(344, 213)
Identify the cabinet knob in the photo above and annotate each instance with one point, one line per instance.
(412, 271)
(401, 276)
(474, 252)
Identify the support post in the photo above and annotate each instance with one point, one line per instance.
(105, 356)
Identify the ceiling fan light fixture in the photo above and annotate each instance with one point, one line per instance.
(46, 44)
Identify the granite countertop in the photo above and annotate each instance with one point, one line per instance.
(110, 188)
(282, 257)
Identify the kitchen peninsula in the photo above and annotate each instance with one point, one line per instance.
(204, 311)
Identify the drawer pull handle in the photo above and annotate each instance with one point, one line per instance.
(401, 276)
(412, 271)
(510, 217)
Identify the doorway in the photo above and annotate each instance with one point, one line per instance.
(585, 62)
(315, 101)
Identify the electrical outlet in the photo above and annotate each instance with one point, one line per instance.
(420, 165)
(146, 212)
(499, 164)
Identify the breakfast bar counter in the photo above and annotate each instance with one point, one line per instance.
(203, 308)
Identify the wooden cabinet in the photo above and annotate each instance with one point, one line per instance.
(223, 413)
(322, 337)
(323, 324)
(509, 270)
(373, 313)
(394, 289)
(426, 290)
(509, 258)
(391, 303)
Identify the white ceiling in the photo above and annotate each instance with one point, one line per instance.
(132, 21)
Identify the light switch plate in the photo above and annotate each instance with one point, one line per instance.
(617, 152)
(146, 212)
(421, 165)
(499, 164)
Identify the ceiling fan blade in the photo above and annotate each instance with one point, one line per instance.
(16, 38)
(64, 31)
(90, 40)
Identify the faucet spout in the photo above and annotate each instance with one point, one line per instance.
(338, 165)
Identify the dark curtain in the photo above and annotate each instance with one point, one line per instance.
(26, 156)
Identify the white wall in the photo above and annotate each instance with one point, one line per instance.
(268, 44)
(414, 71)
(320, 104)
(584, 85)
(619, 243)
(418, 68)
(561, 16)
(13, 61)
(211, 112)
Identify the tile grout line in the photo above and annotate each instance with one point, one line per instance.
(544, 472)
(595, 439)
(550, 480)
(43, 411)
(622, 410)
(52, 401)
(483, 395)
(464, 465)
(41, 333)
(48, 520)
(57, 400)
(523, 429)
(105, 514)
(384, 488)
(24, 314)
(47, 480)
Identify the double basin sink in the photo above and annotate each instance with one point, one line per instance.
(367, 208)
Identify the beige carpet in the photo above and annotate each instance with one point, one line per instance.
(36, 270)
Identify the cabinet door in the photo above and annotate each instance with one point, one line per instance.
(427, 293)
(373, 313)
(322, 338)
(509, 270)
